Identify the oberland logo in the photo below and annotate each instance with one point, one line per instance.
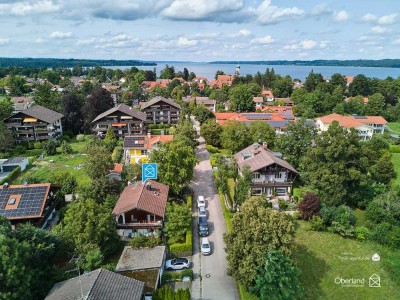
(350, 281)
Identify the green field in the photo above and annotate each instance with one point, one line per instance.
(395, 126)
(44, 169)
(324, 256)
(396, 163)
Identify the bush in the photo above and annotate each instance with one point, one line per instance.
(362, 233)
(309, 206)
(189, 202)
(66, 148)
(37, 145)
(343, 229)
(341, 214)
(282, 204)
(187, 273)
(212, 149)
(176, 275)
(50, 147)
(80, 138)
(184, 249)
(381, 233)
(20, 149)
(142, 241)
(394, 148)
(65, 138)
(296, 216)
(117, 154)
(316, 223)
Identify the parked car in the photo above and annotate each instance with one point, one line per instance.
(202, 226)
(205, 246)
(202, 211)
(177, 264)
(201, 202)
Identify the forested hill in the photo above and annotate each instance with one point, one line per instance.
(385, 63)
(68, 63)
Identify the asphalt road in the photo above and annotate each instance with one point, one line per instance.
(210, 279)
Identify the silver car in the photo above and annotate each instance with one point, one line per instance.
(205, 246)
(202, 211)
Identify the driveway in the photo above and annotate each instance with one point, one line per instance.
(210, 280)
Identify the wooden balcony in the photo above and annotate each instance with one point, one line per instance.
(271, 183)
(140, 225)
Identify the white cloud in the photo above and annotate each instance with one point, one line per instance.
(396, 42)
(4, 41)
(85, 42)
(321, 9)
(302, 45)
(269, 14)
(245, 32)
(389, 19)
(380, 30)
(60, 35)
(28, 8)
(39, 41)
(201, 10)
(263, 40)
(368, 18)
(185, 42)
(340, 16)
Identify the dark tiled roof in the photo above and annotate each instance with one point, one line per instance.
(158, 99)
(14, 161)
(140, 259)
(32, 199)
(124, 109)
(98, 285)
(42, 113)
(138, 196)
(260, 158)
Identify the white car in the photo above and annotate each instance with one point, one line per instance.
(177, 264)
(202, 211)
(205, 246)
(201, 202)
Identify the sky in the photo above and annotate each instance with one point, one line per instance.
(200, 30)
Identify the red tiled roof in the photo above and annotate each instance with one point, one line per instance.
(138, 196)
(352, 121)
(117, 168)
(258, 99)
(349, 79)
(142, 141)
(267, 93)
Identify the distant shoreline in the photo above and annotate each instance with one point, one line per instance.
(68, 63)
(381, 63)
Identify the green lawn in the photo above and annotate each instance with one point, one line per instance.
(396, 163)
(360, 217)
(231, 186)
(395, 126)
(324, 256)
(43, 169)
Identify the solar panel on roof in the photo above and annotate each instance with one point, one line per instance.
(360, 117)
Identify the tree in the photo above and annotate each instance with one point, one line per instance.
(44, 96)
(132, 172)
(176, 161)
(179, 219)
(309, 206)
(312, 81)
(235, 136)
(97, 102)
(6, 137)
(338, 80)
(185, 74)
(71, 109)
(185, 131)
(168, 72)
(98, 162)
(17, 85)
(6, 108)
(297, 141)
(243, 185)
(203, 114)
(50, 147)
(383, 170)
(359, 86)
(282, 87)
(335, 166)
(241, 97)
(15, 275)
(256, 229)
(211, 131)
(66, 148)
(66, 180)
(278, 278)
(87, 225)
(110, 140)
(262, 132)
(219, 72)
(375, 105)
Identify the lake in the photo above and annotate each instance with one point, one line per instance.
(300, 72)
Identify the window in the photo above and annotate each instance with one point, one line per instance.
(133, 218)
(256, 175)
(11, 201)
(281, 191)
(143, 152)
(151, 218)
(256, 192)
(278, 175)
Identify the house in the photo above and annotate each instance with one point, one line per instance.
(287, 101)
(28, 203)
(146, 264)
(98, 284)
(221, 80)
(258, 102)
(37, 123)
(366, 126)
(8, 165)
(160, 110)
(268, 96)
(271, 174)
(207, 102)
(115, 174)
(141, 208)
(123, 119)
(138, 147)
(349, 80)
(148, 85)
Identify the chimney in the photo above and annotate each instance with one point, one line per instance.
(5, 185)
(149, 134)
(162, 132)
(148, 185)
(265, 145)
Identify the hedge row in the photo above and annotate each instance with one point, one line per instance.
(12, 176)
(184, 249)
(189, 201)
(176, 275)
(395, 148)
(212, 149)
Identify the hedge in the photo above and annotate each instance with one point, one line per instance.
(395, 148)
(176, 275)
(182, 249)
(212, 149)
(12, 176)
(189, 202)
